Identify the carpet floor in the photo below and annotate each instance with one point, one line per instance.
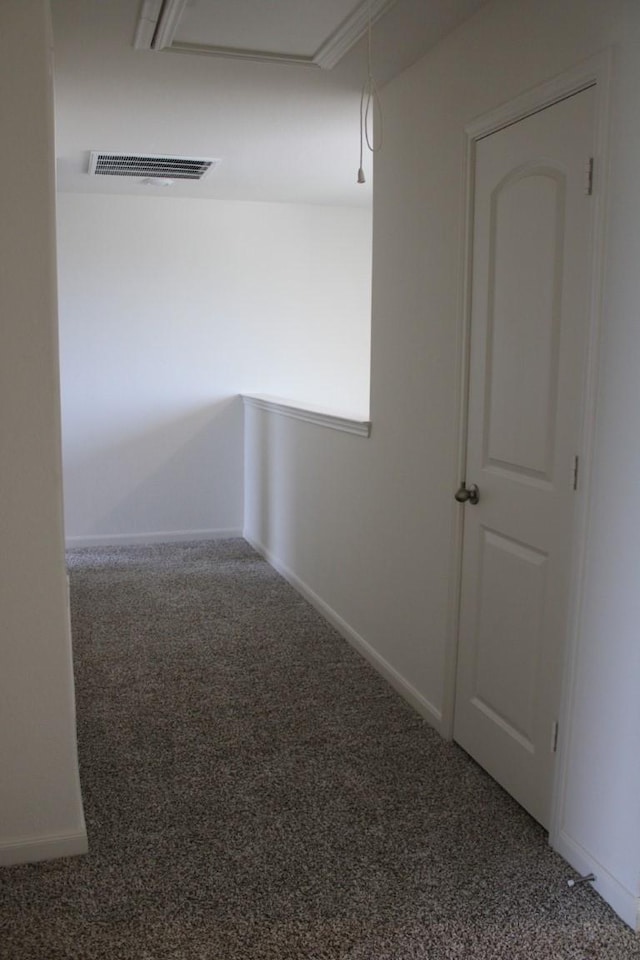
(255, 791)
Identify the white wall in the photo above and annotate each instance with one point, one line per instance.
(40, 805)
(169, 308)
(367, 526)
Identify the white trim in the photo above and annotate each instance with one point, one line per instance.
(622, 900)
(146, 27)
(167, 24)
(157, 23)
(161, 536)
(586, 74)
(346, 422)
(349, 32)
(406, 690)
(32, 849)
(461, 418)
(602, 73)
(239, 53)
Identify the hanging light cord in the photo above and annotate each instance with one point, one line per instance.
(369, 105)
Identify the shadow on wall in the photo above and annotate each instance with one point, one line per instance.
(178, 475)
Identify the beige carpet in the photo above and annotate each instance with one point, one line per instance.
(254, 790)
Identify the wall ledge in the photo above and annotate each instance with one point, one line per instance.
(310, 413)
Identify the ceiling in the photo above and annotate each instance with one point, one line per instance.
(283, 132)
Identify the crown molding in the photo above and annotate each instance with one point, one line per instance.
(349, 32)
(147, 22)
(170, 15)
(239, 53)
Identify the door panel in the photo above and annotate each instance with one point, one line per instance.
(531, 245)
(512, 580)
(525, 273)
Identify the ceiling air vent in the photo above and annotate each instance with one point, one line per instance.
(139, 165)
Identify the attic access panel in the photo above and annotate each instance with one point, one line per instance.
(285, 31)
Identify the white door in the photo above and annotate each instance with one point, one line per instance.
(530, 289)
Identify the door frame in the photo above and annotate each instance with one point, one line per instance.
(595, 72)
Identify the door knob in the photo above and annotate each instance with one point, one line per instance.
(472, 494)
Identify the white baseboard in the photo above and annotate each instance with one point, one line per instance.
(162, 536)
(32, 849)
(391, 675)
(623, 901)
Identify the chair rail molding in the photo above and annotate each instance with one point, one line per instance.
(310, 413)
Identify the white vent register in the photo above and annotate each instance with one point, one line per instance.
(140, 165)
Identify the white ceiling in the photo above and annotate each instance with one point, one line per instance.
(283, 132)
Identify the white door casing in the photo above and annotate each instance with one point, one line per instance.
(530, 295)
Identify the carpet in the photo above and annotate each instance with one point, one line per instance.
(255, 791)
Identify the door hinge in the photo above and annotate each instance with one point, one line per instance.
(588, 180)
(554, 736)
(576, 470)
